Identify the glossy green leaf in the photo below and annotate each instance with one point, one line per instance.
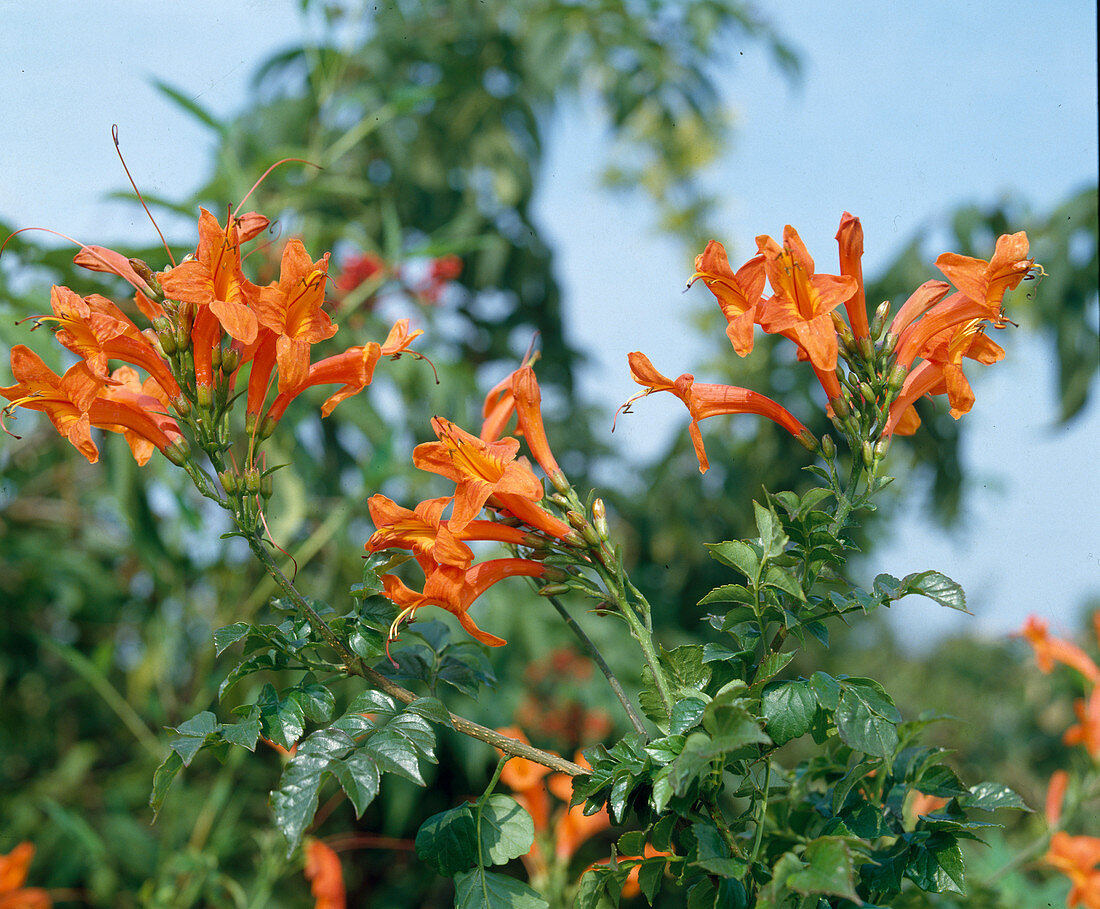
(937, 865)
(507, 830)
(736, 554)
(788, 709)
(991, 796)
(230, 634)
(448, 841)
(862, 727)
(829, 869)
(162, 781)
(295, 801)
(481, 889)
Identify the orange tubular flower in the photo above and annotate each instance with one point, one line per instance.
(1049, 650)
(704, 401)
(1056, 793)
(738, 294)
(75, 402)
(101, 259)
(213, 282)
(13, 874)
(525, 779)
(455, 590)
(150, 399)
(97, 330)
(1087, 730)
(423, 532)
(292, 311)
(1077, 858)
(479, 469)
(987, 282)
(802, 301)
(528, 398)
(327, 877)
(849, 237)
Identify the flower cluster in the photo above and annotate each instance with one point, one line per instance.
(487, 473)
(873, 398)
(1078, 857)
(208, 321)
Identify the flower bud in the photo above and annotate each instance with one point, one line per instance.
(866, 391)
(879, 321)
(808, 440)
(252, 480)
(828, 447)
(267, 427)
(553, 590)
(231, 359)
(599, 517)
(868, 454)
(881, 447)
(889, 343)
(840, 407)
(216, 357)
(558, 499)
(267, 485)
(148, 276)
(229, 481)
(178, 451)
(576, 520)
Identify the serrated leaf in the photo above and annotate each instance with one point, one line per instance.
(481, 889)
(736, 554)
(828, 869)
(506, 829)
(937, 865)
(782, 579)
(359, 776)
(772, 537)
(230, 634)
(730, 593)
(282, 721)
(448, 841)
(788, 710)
(162, 781)
(991, 796)
(826, 689)
(936, 586)
(686, 715)
(431, 709)
(940, 780)
(862, 728)
(632, 843)
(295, 801)
(770, 666)
(651, 873)
(246, 732)
(316, 701)
(600, 888)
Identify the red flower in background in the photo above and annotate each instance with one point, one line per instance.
(359, 269)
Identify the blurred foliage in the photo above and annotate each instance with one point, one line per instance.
(429, 119)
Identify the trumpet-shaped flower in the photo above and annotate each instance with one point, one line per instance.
(1087, 729)
(325, 875)
(292, 311)
(986, 282)
(13, 874)
(849, 237)
(738, 294)
(479, 469)
(803, 300)
(455, 589)
(1077, 857)
(75, 402)
(1049, 650)
(703, 400)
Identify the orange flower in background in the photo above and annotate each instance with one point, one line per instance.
(479, 469)
(803, 300)
(1050, 650)
(1077, 858)
(526, 780)
(13, 874)
(704, 401)
(738, 294)
(1056, 793)
(1087, 730)
(326, 875)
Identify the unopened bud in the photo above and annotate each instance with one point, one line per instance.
(553, 590)
(879, 321)
(842, 329)
(808, 440)
(558, 499)
(148, 276)
(897, 379)
(267, 427)
(216, 357)
(840, 406)
(866, 349)
(868, 454)
(881, 447)
(889, 344)
(181, 405)
(229, 481)
(267, 485)
(828, 447)
(599, 518)
(177, 451)
(866, 391)
(252, 480)
(574, 540)
(576, 520)
(231, 359)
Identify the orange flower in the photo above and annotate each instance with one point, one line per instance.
(97, 330)
(849, 237)
(803, 301)
(1056, 793)
(75, 402)
(1087, 730)
(101, 259)
(292, 311)
(526, 780)
(926, 804)
(1049, 650)
(738, 294)
(479, 469)
(987, 282)
(631, 887)
(528, 402)
(423, 532)
(327, 877)
(13, 873)
(704, 401)
(1077, 858)
(147, 397)
(574, 827)
(455, 589)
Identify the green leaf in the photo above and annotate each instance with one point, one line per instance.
(940, 780)
(431, 709)
(448, 841)
(481, 889)
(686, 715)
(712, 854)
(772, 537)
(861, 726)
(228, 635)
(937, 866)
(316, 701)
(826, 689)
(632, 843)
(507, 830)
(686, 665)
(736, 554)
(730, 593)
(600, 888)
(828, 869)
(162, 781)
(359, 776)
(770, 666)
(788, 709)
(651, 872)
(282, 720)
(188, 103)
(784, 580)
(295, 801)
(991, 796)
(246, 732)
(936, 586)
(192, 736)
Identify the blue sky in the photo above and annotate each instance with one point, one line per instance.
(904, 111)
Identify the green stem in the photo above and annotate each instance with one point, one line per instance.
(758, 836)
(844, 497)
(591, 649)
(724, 830)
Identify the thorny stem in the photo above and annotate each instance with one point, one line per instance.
(759, 835)
(591, 649)
(724, 830)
